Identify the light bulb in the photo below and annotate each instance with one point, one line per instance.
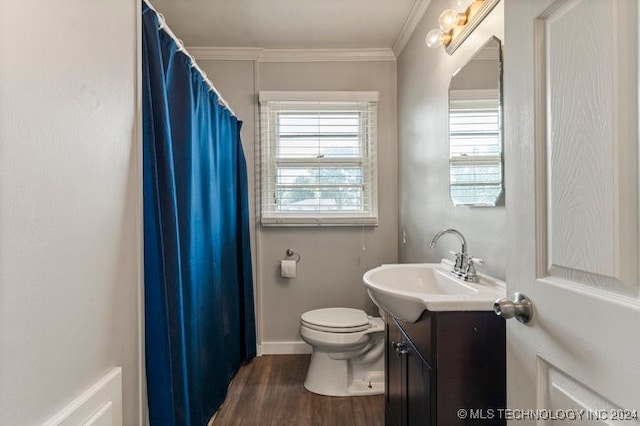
(434, 38)
(449, 19)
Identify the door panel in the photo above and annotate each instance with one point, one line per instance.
(591, 177)
(571, 160)
(580, 73)
(561, 392)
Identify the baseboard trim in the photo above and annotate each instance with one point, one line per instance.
(284, 348)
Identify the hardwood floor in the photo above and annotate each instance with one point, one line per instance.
(269, 391)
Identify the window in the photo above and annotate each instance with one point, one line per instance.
(475, 146)
(318, 158)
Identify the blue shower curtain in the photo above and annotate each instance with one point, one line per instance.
(199, 319)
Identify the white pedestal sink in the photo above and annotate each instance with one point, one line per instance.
(407, 290)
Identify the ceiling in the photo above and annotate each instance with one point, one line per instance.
(293, 24)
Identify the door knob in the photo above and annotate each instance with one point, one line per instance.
(519, 308)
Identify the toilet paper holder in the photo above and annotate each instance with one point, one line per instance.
(291, 253)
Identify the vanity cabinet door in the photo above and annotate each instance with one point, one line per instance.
(419, 398)
(408, 379)
(394, 378)
(459, 363)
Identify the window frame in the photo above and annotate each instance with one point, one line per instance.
(267, 160)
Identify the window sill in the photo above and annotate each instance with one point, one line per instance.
(318, 221)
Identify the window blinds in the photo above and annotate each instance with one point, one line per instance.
(475, 146)
(318, 160)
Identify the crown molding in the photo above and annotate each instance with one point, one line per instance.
(225, 53)
(410, 24)
(327, 55)
(291, 55)
(312, 96)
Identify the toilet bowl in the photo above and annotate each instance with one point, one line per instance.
(348, 352)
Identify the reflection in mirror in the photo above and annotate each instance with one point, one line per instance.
(475, 129)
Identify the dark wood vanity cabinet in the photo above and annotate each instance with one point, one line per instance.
(445, 362)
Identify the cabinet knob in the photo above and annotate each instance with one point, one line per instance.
(400, 348)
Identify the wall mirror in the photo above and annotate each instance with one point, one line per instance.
(475, 129)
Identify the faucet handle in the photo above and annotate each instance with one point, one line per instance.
(476, 260)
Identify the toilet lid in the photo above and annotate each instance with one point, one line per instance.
(337, 318)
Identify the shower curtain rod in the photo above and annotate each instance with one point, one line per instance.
(181, 48)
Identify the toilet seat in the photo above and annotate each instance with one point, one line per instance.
(336, 320)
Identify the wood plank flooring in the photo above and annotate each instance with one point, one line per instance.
(269, 392)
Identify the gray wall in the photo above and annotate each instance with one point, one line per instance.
(333, 259)
(425, 207)
(70, 253)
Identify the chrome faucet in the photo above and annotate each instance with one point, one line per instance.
(464, 266)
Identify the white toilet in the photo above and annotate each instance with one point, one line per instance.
(348, 352)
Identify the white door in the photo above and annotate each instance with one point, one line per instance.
(571, 143)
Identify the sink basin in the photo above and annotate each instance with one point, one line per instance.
(407, 290)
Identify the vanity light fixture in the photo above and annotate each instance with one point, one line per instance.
(456, 26)
(451, 18)
(463, 4)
